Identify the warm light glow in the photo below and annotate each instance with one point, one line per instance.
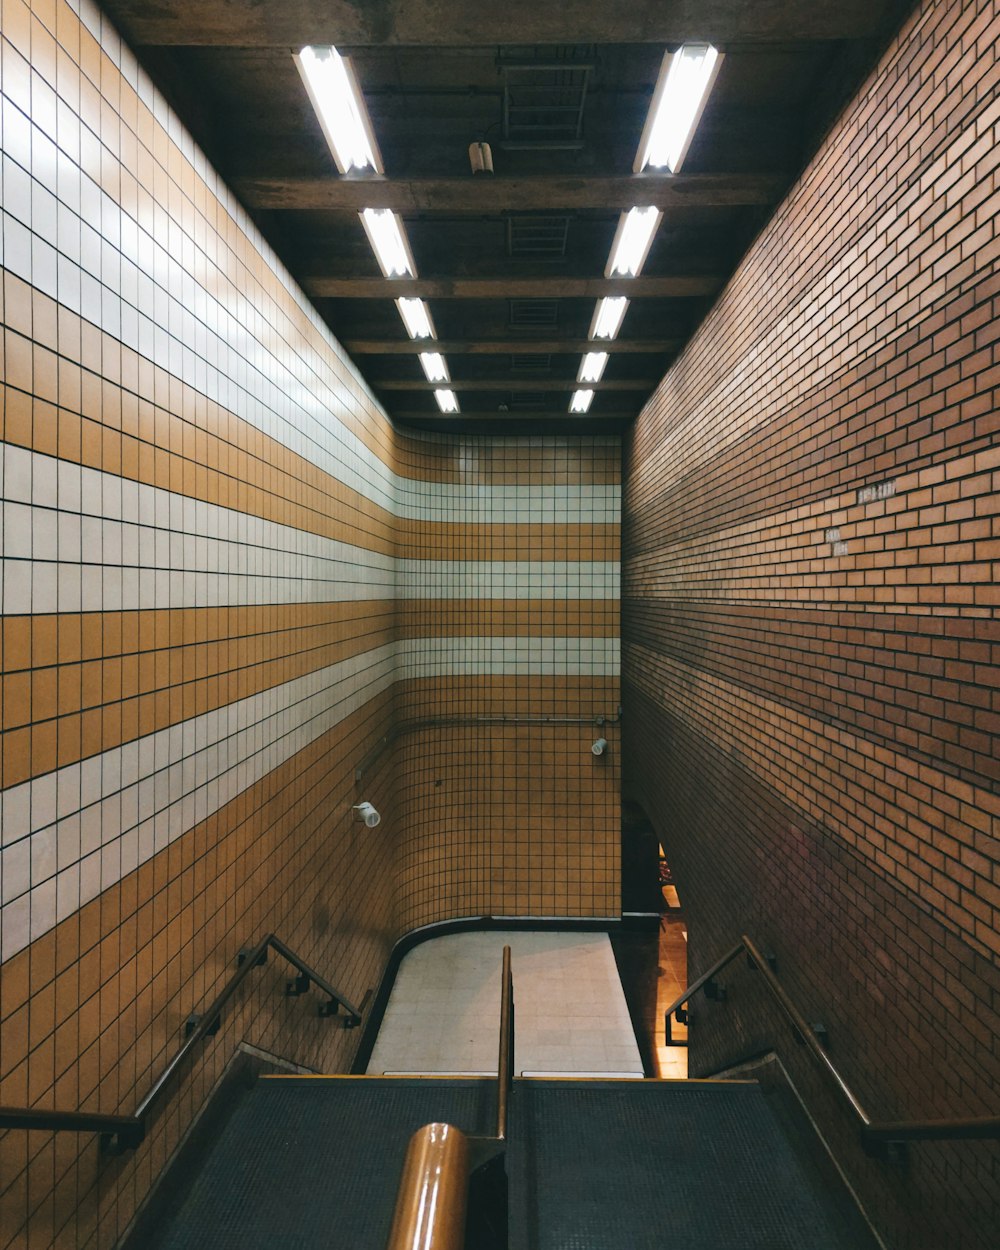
(633, 239)
(385, 233)
(592, 367)
(434, 367)
(686, 77)
(446, 401)
(416, 317)
(608, 316)
(581, 401)
(340, 109)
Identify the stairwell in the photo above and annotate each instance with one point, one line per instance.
(579, 1163)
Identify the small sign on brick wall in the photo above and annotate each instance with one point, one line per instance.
(876, 492)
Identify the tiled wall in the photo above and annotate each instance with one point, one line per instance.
(225, 579)
(809, 616)
(499, 694)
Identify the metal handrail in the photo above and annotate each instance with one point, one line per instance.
(441, 1160)
(505, 1057)
(433, 1191)
(874, 1133)
(125, 1132)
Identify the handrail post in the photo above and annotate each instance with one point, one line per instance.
(433, 1191)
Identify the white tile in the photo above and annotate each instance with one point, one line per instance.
(443, 1014)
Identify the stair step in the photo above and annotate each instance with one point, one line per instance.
(309, 1162)
(701, 1165)
(314, 1162)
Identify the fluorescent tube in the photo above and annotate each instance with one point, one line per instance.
(686, 77)
(632, 242)
(416, 317)
(446, 401)
(592, 367)
(608, 316)
(434, 367)
(581, 401)
(385, 233)
(335, 96)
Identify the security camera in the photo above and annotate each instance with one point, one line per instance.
(367, 813)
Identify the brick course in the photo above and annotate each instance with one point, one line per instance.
(811, 537)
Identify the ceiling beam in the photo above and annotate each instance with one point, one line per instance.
(470, 23)
(680, 287)
(507, 347)
(500, 195)
(515, 415)
(516, 384)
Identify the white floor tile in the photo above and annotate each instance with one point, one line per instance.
(570, 1013)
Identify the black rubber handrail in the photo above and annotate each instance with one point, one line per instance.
(875, 1134)
(125, 1132)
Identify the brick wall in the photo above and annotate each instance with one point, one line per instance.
(810, 635)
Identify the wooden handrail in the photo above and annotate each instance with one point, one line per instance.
(125, 1132)
(874, 1133)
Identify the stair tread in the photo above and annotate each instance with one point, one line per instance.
(307, 1163)
(598, 1165)
(698, 1165)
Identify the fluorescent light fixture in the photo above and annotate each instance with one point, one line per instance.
(686, 77)
(416, 317)
(608, 316)
(336, 97)
(434, 367)
(385, 234)
(632, 242)
(581, 401)
(446, 401)
(592, 367)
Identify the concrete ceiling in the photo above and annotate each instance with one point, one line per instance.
(512, 322)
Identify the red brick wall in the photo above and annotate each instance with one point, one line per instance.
(812, 538)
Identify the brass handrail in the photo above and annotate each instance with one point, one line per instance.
(433, 1191)
(505, 1057)
(125, 1132)
(873, 1132)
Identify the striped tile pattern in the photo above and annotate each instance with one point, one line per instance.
(227, 585)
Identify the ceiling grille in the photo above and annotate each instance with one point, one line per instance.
(530, 401)
(534, 312)
(530, 362)
(544, 93)
(541, 238)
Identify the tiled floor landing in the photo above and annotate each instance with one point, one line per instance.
(444, 1013)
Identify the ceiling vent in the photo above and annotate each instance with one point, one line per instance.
(544, 94)
(528, 363)
(537, 238)
(530, 401)
(528, 313)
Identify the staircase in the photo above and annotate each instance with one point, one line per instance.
(309, 1162)
(303, 1162)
